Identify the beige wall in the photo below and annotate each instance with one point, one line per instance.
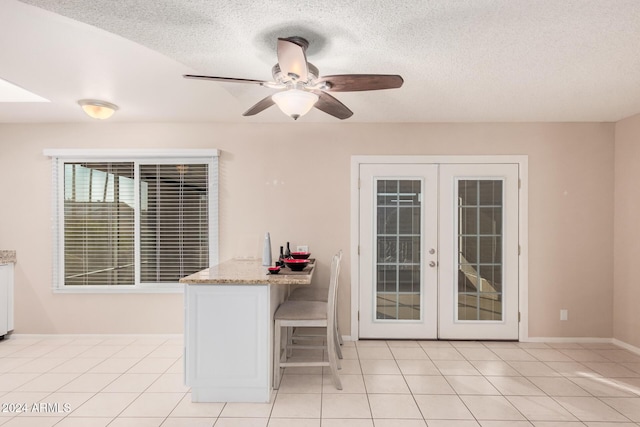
(626, 314)
(293, 180)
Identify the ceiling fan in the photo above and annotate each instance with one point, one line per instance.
(302, 86)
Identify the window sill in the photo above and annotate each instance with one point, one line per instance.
(167, 289)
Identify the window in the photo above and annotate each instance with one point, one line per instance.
(133, 222)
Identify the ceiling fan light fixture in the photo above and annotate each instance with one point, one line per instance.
(295, 102)
(97, 109)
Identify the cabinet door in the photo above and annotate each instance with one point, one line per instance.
(6, 298)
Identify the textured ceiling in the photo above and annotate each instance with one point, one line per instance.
(462, 61)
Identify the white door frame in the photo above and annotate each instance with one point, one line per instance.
(523, 228)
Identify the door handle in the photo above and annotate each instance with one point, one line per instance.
(432, 263)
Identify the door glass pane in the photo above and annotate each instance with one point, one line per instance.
(398, 241)
(480, 249)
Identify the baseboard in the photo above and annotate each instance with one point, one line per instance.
(569, 340)
(631, 348)
(109, 336)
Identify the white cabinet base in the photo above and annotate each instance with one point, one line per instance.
(228, 339)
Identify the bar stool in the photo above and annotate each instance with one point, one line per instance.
(308, 314)
(320, 293)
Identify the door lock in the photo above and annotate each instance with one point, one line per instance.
(432, 263)
(432, 251)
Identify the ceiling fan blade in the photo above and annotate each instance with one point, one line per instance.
(292, 59)
(331, 105)
(223, 79)
(259, 107)
(359, 82)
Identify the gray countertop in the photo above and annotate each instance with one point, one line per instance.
(7, 257)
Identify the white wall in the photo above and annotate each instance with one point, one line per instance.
(293, 180)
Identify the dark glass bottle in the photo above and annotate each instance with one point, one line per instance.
(281, 259)
(287, 253)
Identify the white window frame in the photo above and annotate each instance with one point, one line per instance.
(151, 156)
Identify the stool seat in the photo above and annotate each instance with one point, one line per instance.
(309, 293)
(302, 310)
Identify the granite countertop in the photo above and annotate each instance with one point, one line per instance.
(7, 257)
(248, 272)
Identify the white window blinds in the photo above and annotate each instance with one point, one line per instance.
(137, 223)
(174, 238)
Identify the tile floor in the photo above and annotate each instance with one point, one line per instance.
(137, 382)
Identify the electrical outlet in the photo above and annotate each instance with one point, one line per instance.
(564, 314)
(302, 248)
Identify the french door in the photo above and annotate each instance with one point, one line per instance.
(438, 251)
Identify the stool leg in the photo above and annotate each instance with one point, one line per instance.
(277, 343)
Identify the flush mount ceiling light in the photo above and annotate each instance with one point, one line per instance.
(295, 103)
(97, 109)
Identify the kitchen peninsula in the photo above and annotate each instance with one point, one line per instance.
(229, 329)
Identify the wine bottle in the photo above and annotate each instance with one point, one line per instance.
(281, 259)
(287, 253)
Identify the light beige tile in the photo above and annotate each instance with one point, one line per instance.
(349, 367)
(297, 405)
(68, 351)
(168, 383)
(61, 403)
(34, 351)
(495, 368)
(514, 355)
(301, 384)
(477, 353)
(39, 366)
(434, 344)
(452, 423)
(176, 368)
(403, 344)
(345, 406)
(443, 353)
(558, 386)
(620, 356)
(153, 405)
(84, 422)
(350, 384)
(135, 351)
(152, 365)
(534, 369)
(114, 365)
(515, 386)
(381, 422)
(456, 367)
(628, 406)
(470, 384)
(385, 384)
(491, 408)
(186, 408)
(166, 350)
(131, 383)
(294, 422)
(102, 351)
(242, 422)
(583, 355)
(590, 409)
(371, 343)
(417, 367)
(32, 421)
(439, 407)
(249, 410)
(374, 353)
(571, 369)
(612, 370)
(540, 408)
(105, 405)
(549, 355)
(7, 364)
(598, 424)
(605, 387)
(346, 422)
(409, 353)
(118, 341)
(379, 367)
(349, 353)
(11, 381)
(89, 382)
(399, 406)
(486, 423)
(136, 422)
(429, 384)
(78, 365)
(188, 422)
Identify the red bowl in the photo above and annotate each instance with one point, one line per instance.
(274, 270)
(300, 255)
(296, 264)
